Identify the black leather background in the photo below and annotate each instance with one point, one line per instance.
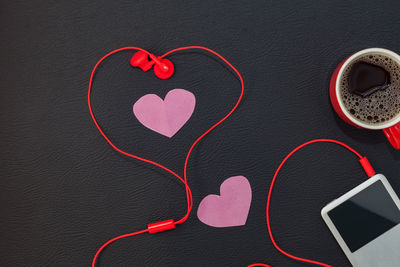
(64, 191)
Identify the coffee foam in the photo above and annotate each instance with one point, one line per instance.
(381, 106)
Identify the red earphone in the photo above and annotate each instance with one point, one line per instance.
(163, 68)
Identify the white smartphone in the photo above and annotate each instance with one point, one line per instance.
(366, 223)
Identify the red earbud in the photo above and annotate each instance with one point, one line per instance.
(141, 59)
(163, 68)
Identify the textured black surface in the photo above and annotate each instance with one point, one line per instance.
(64, 191)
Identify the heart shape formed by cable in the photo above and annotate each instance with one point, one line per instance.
(182, 179)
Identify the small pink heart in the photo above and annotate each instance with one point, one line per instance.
(166, 116)
(230, 208)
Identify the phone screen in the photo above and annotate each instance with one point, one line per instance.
(365, 216)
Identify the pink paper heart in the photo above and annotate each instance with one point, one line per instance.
(166, 116)
(231, 207)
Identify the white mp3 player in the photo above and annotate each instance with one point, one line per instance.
(366, 223)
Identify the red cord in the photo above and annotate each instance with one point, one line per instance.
(364, 163)
(184, 179)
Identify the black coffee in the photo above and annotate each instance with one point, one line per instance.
(370, 89)
(366, 78)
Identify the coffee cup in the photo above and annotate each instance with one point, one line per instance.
(378, 106)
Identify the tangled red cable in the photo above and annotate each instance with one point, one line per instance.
(168, 224)
(365, 165)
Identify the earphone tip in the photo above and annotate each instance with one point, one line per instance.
(164, 70)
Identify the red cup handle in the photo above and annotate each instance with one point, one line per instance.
(393, 135)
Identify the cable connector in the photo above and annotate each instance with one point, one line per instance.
(161, 226)
(367, 167)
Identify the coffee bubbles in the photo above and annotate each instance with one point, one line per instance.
(378, 101)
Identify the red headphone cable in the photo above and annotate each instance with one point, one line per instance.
(168, 224)
(365, 165)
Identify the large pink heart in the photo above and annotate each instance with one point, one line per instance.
(166, 116)
(230, 208)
